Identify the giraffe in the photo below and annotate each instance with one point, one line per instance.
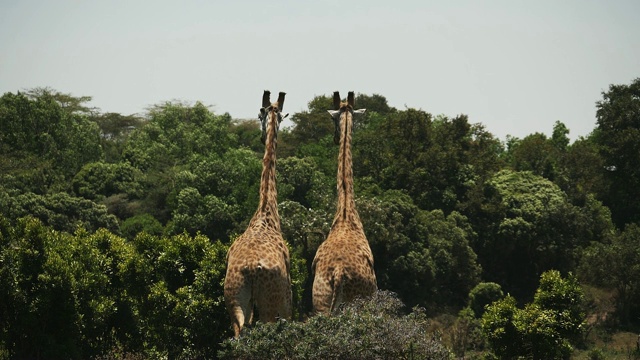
(343, 265)
(258, 260)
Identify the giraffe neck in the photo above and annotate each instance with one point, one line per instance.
(268, 206)
(346, 209)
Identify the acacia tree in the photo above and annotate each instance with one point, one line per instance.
(114, 131)
(68, 102)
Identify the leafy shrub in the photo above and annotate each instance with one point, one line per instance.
(375, 328)
(545, 328)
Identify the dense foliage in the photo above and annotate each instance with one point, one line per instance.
(545, 328)
(84, 294)
(114, 228)
(375, 328)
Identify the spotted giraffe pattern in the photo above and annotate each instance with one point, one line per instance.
(258, 261)
(343, 265)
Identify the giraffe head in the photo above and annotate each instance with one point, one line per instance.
(271, 113)
(340, 112)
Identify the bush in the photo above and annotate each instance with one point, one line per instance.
(545, 328)
(376, 328)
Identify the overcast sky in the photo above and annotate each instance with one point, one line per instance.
(514, 66)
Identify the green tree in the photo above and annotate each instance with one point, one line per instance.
(438, 161)
(373, 103)
(197, 213)
(535, 153)
(564, 297)
(499, 328)
(26, 172)
(300, 180)
(98, 180)
(482, 295)
(583, 171)
(526, 226)
(174, 132)
(38, 125)
(88, 294)
(560, 138)
(37, 308)
(69, 103)
(140, 223)
(304, 229)
(215, 194)
(114, 131)
(424, 256)
(248, 134)
(175, 137)
(106, 319)
(308, 127)
(59, 210)
(618, 134)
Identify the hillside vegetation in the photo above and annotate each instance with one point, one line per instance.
(114, 230)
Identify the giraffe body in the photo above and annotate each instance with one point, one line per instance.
(343, 265)
(258, 261)
(343, 269)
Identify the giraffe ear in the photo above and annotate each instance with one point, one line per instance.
(334, 113)
(359, 111)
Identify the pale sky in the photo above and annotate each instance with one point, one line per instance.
(514, 66)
